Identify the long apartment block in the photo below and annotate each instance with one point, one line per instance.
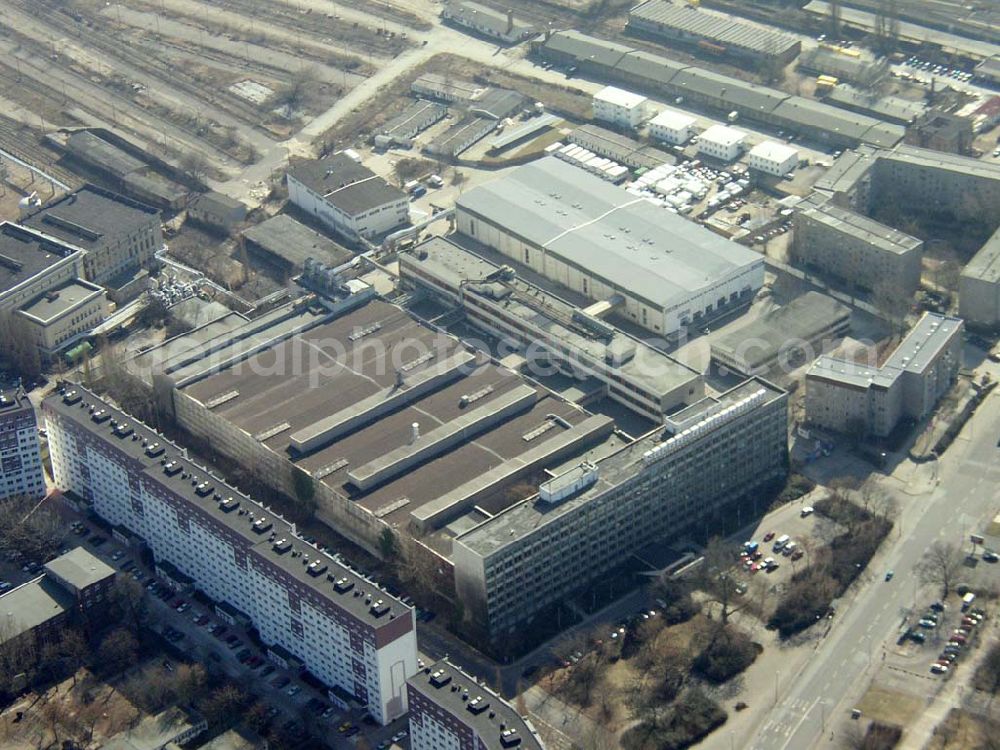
(21, 472)
(346, 631)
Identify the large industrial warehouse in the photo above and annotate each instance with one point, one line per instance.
(655, 267)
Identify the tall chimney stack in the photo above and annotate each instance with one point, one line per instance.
(510, 20)
(414, 432)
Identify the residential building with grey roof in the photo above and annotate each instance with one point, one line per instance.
(865, 398)
(21, 473)
(601, 241)
(450, 709)
(345, 629)
(852, 250)
(347, 197)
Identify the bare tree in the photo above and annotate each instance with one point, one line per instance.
(29, 528)
(940, 566)
(128, 597)
(195, 165)
(718, 579)
(117, 651)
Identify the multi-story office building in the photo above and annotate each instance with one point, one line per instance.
(449, 710)
(549, 329)
(722, 142)
(345, 630)
(672, 126)
(853, 250)
(773, 158)
(21, 472)
(865, 399)
(41, 284)
(121, 235)
(591, 515)
(603, 242)
(63, 315)
(619, 107)
(347, 196)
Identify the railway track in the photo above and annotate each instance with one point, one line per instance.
(21, 141)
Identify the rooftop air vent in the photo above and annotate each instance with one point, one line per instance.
(261, 525)
(229, 504)
(317, 568)
(204, 489)
(440, 678)
(171, 468)
(71, 397)
(343, 585)
(510, 738)
(478, 704)
(100, 416)
(282, 545)
(123, 429)
(379, 608)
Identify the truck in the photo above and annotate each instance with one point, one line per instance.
(780, 542)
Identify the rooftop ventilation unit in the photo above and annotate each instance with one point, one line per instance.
(229, 504)
(282, 545)
(478, 704)
(510, 738)
(317, 568)
(440, 678)
(261, 525)
(172, 469)
(123, 429)
(379, 608)
(100, 416)
(71, 397)
(154, 449)
(343, 585)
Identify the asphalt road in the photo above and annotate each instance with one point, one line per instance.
(811, 703)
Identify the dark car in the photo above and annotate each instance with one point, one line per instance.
(267, 670)
(97, 541)
(280, 681)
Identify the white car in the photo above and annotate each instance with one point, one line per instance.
(400, 735)
(806, 511)
(293, 690)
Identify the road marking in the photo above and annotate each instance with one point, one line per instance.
(799, 723)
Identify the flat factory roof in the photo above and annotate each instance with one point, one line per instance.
(655, 370)
(774, 151)
(26, 252)
(54, 303)
(92, 217)
(619, 466)
(673, 120)
(293, 242)
(723, 135)
(636, 246)
(333, 390)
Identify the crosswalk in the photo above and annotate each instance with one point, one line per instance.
(781, 728)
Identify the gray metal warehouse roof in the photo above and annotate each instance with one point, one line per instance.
(583, 47)
(649, 66)
(719, 28)
(633, 244)
(736, 93)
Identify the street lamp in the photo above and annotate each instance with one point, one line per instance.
(777, 674)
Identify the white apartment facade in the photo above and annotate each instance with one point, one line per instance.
(722, 142)
(619, 107)
(62, 316)
(673, 127)
(345, 630)
(21, 472)
(773, 158)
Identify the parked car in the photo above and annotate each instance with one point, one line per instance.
(293, 690)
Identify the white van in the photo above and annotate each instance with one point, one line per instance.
(780, 542)
(967, 601)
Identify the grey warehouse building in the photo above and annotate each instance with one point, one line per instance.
(782, 337)
(712, 33)
(661, 271)
(591, 515)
